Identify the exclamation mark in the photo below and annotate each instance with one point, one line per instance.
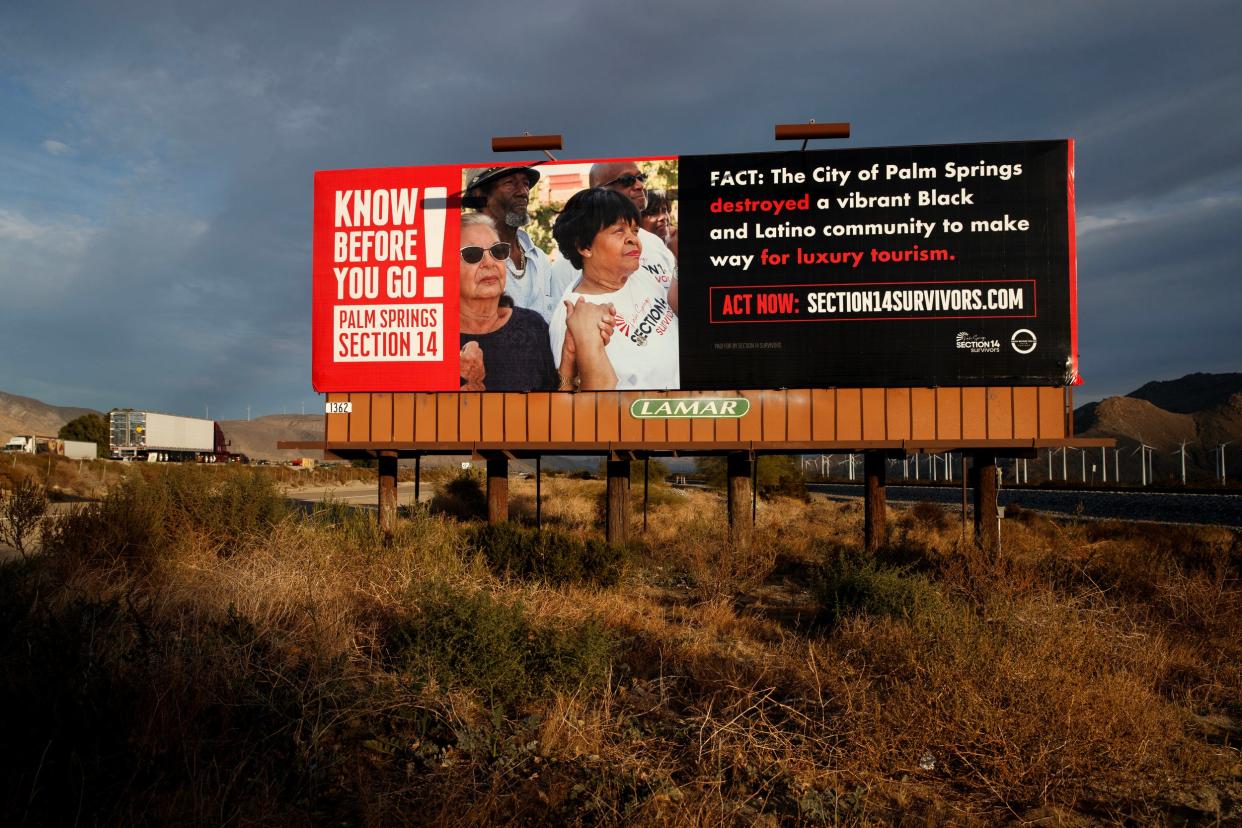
(434, 205)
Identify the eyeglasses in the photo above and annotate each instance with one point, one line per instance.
(474, 254)
(627, 180)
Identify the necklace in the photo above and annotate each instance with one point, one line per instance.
(519, 270)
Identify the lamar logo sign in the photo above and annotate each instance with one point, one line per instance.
(655, 408)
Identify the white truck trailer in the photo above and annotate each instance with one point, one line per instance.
(156, 437)
(34, 444)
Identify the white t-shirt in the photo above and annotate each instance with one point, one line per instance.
(644, 349)
(656, 259)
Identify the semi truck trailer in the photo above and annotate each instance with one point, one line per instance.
(35, 444)
(155, 437)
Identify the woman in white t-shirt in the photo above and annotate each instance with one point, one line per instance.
(597, 232)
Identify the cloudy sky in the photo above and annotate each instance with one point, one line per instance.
(156, 159)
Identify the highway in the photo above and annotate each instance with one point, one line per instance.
(358, 493)
(1155, 507)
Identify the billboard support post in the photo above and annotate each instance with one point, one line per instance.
(983, 472)
(646, 489)
(497, 489)
(387, 492)
(874, 512)
(418, 468)
(618, 519)
(741, 520)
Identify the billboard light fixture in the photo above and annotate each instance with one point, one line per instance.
(527, 142)
(805, 132)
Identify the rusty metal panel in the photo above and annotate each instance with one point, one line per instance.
(773, 415)
(469, 417)
(425, 416)
(336, 429)
(493, 418)
(1051, 413)
(948, 413)
(561, 417)
(897, 413)
(726, 429)
(678, 430)
(874, 417)
(608, 416)
(655, 431)
(703, 430)
(849, 414)
(974, 413)
(750, 427)
(1000, 413)
(515, 418)
(539, 417)
(1025, 413)
(381, 418)
(922, 414)
(631, 429)
(824, 414)
(403, 418)
(446, 418)
(584, 417)
(360, 419)
(798, 414)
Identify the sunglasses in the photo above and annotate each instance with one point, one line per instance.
(474, 253)
(627, 180)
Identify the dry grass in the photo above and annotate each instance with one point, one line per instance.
(288, 669)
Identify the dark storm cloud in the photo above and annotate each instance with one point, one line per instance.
(155, 197)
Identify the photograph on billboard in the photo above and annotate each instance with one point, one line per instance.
(901, 266)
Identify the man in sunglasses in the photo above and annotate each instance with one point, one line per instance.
(629, 181)
(503, 193)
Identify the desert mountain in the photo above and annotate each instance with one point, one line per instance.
(24, 415)
(1191, 393)
(257, 438)
(1136, 418)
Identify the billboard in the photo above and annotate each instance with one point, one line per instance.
(901, 266)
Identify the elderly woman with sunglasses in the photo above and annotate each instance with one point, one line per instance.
(504, 348)
(598, 233)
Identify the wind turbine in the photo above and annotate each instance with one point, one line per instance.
(1221, 449)
(1141, 451)
(1182, 452)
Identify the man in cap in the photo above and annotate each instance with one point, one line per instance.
(656, 258)
(504, 194)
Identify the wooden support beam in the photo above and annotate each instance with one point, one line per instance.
(497, 490)
(983, 477)
(875, 526)
(738, 467)
(618, 518)
(387, 492)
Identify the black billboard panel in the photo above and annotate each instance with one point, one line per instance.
(938, 265)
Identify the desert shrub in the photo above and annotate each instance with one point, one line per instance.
(856, 585)
(776, 475)
(462, 638)
(715, 566)
(548, 556)
(582, 474)
(21, 514)
(138, 519)
(462, 497)
(931, 515)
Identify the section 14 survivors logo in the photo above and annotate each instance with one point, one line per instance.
(977, 344)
